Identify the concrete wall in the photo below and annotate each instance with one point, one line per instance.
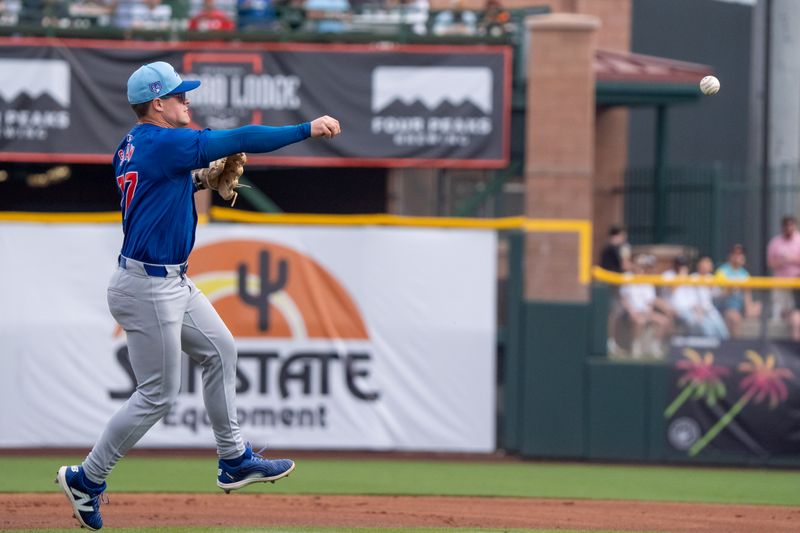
(703, 31)
(783, 116)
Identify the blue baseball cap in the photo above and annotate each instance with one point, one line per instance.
(155, 80)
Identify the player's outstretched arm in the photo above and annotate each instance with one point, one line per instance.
(259, 139)
(325, 126)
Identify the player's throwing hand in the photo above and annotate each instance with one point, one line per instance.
(325, 126)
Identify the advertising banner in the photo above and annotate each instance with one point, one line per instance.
(348, 338)
(737, 397)
(405, 105)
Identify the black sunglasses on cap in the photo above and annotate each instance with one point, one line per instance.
(181, 97)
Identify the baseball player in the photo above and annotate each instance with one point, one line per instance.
(150, 294)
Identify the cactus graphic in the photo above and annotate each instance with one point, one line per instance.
(267, 287)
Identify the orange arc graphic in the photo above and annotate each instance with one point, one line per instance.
(311, 304)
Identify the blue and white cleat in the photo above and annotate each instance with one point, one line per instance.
(85, 501)
(253, 469)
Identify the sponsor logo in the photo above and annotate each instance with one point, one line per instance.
(300, 336)
(683, 432)
(235, 90)
(83, 502)
(34, 98)
(432, 106)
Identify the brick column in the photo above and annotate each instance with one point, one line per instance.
(611, 127)
(559, 151)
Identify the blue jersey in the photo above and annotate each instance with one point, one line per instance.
(153, 166)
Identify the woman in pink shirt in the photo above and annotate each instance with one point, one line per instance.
(783, 258)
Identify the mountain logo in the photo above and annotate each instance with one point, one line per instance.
(432, 87)
(34, 78)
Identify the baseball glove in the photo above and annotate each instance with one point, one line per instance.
(223, 176)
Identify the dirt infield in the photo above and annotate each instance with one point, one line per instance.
(37, 511)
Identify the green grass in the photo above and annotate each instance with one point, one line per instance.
(521, 479)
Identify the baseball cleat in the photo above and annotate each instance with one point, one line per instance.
(85, 501)
(253, 469)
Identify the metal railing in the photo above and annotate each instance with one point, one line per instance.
(710, 208)
(130, 17)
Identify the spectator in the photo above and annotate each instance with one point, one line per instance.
(211, 19)
(783, 258)
(140, 14)
(121, 13)
(615, 256)
(736, 304)
(617, 252)
(151, 15)
(256, 14)
(90, 13)
(455, 21)
(680, 267)
(495, 19)
(649, 322)
(694, 304)
(329, 16)
(9, 12)
(415, 14)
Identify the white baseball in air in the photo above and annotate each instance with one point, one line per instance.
(709, 85)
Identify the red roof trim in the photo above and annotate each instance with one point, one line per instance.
(618, 66)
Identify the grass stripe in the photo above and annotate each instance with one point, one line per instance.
(514, 479)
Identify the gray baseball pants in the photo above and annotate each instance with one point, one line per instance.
(163, 316)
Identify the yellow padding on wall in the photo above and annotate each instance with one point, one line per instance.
(755, 282)
(583, 228)
(60, 218)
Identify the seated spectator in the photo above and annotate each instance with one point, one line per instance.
(151, 15)
(211, 19)
(329, 16)
(140, 14)
(650, 321)
(9, 12)
(456, 21)
(92, 12)
(783, 258)
(680, 267)
(495, 19)
(256, 14)
(736, 304)
(415, 14)
(694, 305)
(121, 13)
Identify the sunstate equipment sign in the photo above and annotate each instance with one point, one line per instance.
(348, 338)
(402, 106)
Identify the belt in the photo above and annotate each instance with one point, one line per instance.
(159, 271)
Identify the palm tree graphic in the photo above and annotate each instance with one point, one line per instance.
(761, 380)
(700, 378)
